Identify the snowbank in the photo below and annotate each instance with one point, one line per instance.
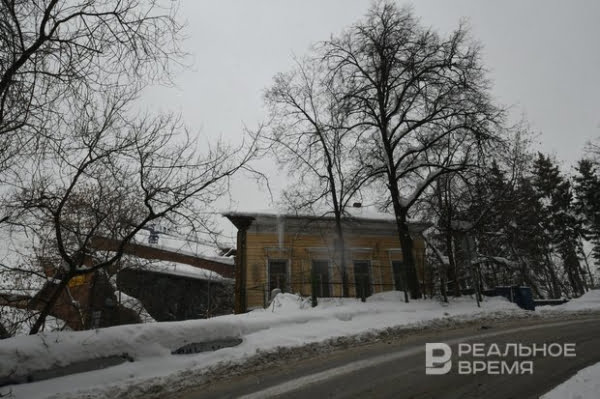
(583, 385)
(588, 301)
(288, 322)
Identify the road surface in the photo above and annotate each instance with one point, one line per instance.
(396, 369)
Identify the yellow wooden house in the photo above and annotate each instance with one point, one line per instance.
(296, 253)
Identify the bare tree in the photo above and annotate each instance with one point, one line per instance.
(310, 136)
(414, 91)
(75, 161)
(105, 173)
(51, 48)
(54, 53)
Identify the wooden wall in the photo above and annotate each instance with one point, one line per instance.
(300, 249)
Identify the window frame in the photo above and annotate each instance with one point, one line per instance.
(329, 275)
(287, 286)
(371, 286)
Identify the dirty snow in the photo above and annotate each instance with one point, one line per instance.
(583, 385)
(289, 321)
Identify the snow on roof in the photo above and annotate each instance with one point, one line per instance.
(368, 213)
(183, 245)
(178, 269)
(134, 304)
(362, 212)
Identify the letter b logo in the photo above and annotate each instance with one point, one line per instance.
(436, 363)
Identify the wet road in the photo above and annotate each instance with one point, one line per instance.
(396, 369)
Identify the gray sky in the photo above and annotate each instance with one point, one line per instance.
(544, 58)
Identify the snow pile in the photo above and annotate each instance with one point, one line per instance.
(588, 301)
(289, 321)
(390, 296)
(285, 303)
(583, 385)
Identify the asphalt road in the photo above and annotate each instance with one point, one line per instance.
(396, 369)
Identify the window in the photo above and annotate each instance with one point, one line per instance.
(278, 276)
(362, 278)
(320, 278)
(399, 275)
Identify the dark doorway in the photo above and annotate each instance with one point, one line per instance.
(362, 278)
(320, 278)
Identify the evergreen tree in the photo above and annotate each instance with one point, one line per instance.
(558, 217)
(529, 241)
(586, 187)
(587, 190)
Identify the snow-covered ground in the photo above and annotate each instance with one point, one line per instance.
(588, 301)
(583, 385)
(290, 321)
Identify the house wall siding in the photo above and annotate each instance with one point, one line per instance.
(300, 249)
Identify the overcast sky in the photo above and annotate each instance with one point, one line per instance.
(544, 58)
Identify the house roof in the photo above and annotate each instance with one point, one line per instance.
(176, 269)
(357, 219)
(184, 245)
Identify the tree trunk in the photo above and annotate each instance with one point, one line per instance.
(340, 246)
(550, 268)
(406, 243)
(453, 269)
(589, 271)
(446, 222)
(443, 283)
